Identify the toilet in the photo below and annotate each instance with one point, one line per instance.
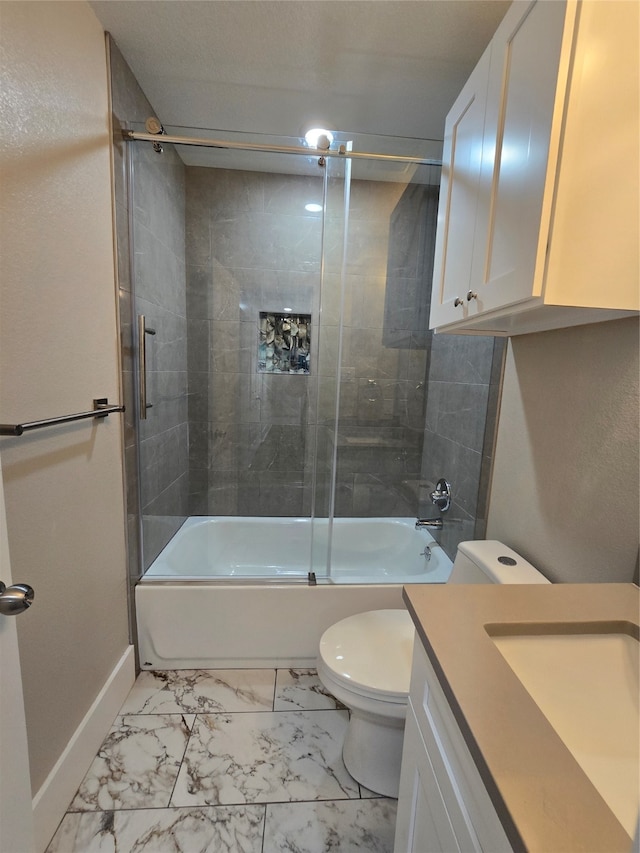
(365, 662)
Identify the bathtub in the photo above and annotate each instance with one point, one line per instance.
(236, 592)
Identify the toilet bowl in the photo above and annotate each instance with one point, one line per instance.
(365, 662)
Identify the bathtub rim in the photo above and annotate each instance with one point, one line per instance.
(442, 567)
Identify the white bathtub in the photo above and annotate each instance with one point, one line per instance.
(234, 592)
(363, 550)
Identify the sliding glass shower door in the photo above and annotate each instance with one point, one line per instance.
(285, 301)
(376, 287)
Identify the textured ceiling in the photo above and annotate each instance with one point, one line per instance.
(280, 66)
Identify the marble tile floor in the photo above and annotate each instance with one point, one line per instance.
(225, 761)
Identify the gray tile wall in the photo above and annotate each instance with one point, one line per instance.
(462, 403)
(156, 460)
(255, 438)
(382, 393)
(251, 247)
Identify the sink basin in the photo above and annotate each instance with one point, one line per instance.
(587, 686)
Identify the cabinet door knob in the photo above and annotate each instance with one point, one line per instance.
(471, 295)
(457, 302)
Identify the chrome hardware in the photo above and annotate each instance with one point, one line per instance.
(226, 144)
(15, 599)
(441, 497)
(426, 553)
(154, 126)
(374, 393)
(101, 409)
(143, 331)
(457, 302)
(471, 295)
(433, 523)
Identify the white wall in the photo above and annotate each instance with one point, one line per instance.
(565, 485)
(58, 350)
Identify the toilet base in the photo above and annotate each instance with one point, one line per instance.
(372, 752)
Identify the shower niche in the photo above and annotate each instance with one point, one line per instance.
(284, 342)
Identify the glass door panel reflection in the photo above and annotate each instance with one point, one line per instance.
(330, 345)
(239, 289)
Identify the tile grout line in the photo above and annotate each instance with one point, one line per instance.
(186, 747)
(275, 690)
(258, 711)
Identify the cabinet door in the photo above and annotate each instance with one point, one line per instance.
(423, 822)
(461, 164)
(524, 90)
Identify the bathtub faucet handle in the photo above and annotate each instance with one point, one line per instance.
(441, 497)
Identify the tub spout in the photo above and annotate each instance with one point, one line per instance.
(434, 523)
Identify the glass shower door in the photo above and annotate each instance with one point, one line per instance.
(227, 264)
(286, 376)
(333, 308)
(377, 270)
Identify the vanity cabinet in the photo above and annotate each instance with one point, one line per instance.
(538, 219)
(443, 804)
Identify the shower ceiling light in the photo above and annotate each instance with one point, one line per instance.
(314, 136)
(312, 207)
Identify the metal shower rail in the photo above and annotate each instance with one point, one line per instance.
(341, 152)
(101, 409)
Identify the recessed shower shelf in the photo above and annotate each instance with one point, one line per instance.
(284, 342)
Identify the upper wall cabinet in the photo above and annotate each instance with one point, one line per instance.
(538, 223)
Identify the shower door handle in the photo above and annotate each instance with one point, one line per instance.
(143, 331)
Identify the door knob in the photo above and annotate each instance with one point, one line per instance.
(15, 599)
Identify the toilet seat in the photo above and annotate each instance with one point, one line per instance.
(369, 654)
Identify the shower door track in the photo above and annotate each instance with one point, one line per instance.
(341, 153)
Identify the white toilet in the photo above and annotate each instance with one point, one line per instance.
(365, 662)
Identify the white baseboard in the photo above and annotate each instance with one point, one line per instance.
(53, 798)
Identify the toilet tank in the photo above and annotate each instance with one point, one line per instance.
(489, 561)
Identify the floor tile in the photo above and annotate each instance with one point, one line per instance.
(346, 826)
(301, 688)
(201, 691)
(265, 757)
(224, 829)
(136, 766)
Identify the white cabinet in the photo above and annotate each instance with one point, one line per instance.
(459, 191)
(443, 804)
(538, 224)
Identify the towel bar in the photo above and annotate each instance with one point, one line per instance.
(101, 409)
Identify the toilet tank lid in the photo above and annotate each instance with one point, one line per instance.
(497, 561)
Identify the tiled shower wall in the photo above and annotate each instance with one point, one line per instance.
(255, 438)
(159, 270)
(379, 438)
(463, 391)
(251, 247)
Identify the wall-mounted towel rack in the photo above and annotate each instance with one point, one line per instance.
(101, 409)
